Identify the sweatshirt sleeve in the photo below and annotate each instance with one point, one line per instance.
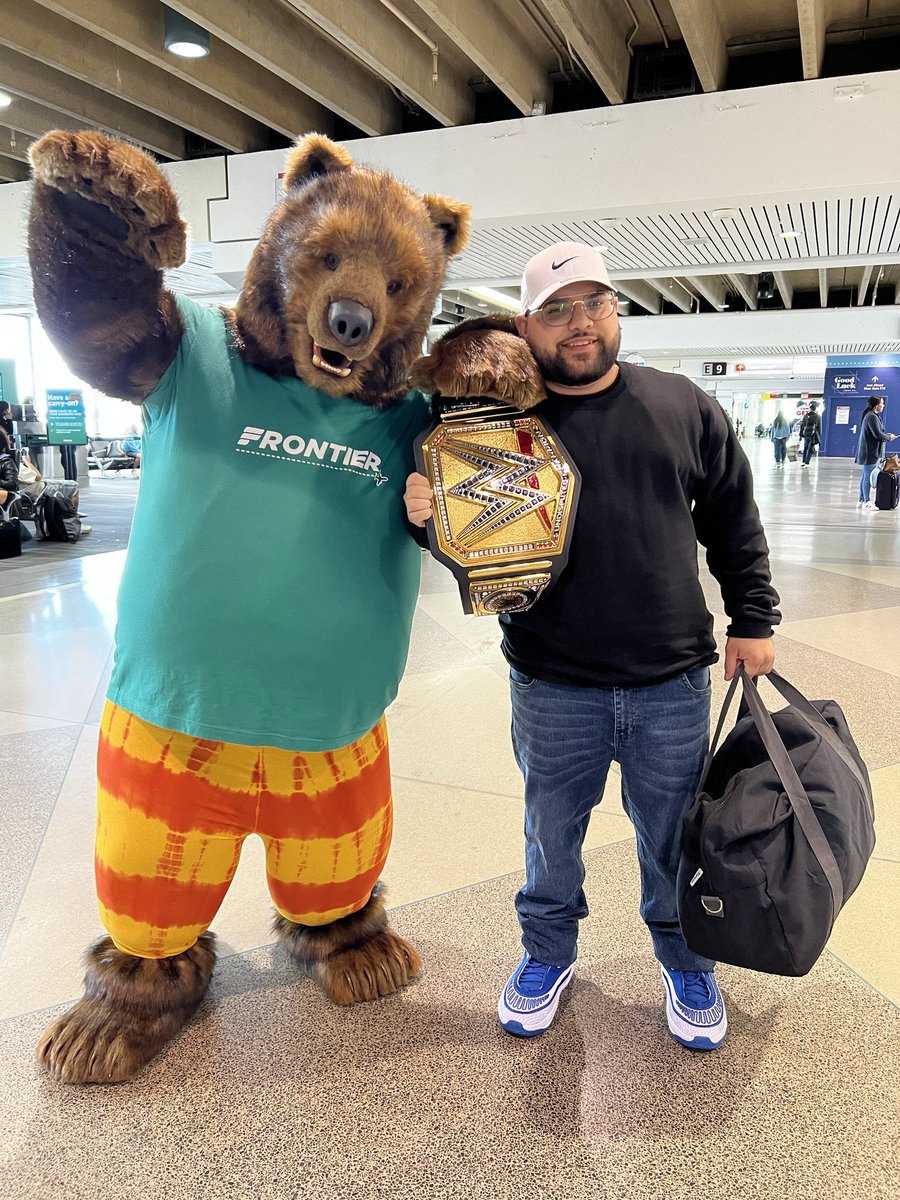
(727, 523)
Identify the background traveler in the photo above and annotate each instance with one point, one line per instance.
(810, 432)
(870, 447)
(781, 431)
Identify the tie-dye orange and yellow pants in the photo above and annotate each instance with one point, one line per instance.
(173, 812)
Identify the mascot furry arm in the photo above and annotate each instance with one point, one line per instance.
(104, 226)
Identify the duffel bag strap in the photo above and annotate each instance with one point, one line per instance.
(793, 787)
(713, 745)
(817, 722)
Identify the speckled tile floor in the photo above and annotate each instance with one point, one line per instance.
(272, 1092)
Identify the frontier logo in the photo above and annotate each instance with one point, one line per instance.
(270, 443)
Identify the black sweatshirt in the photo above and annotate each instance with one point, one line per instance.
(661, 468)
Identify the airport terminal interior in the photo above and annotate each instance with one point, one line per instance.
(731, 160)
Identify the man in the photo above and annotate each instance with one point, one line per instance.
(613, 662)
(810, 431)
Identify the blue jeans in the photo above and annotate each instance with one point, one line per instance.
(808, 446)
(565, 738)
(780, 449)
(865, 483)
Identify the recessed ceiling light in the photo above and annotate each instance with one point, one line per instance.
(694, 241)
(609, 222)
(5, 101)
(601, 249)
(183, 37)
(789, 234)
(726, 214)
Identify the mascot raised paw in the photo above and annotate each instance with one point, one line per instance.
(270, 584)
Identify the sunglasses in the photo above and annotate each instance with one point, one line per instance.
(597, 307)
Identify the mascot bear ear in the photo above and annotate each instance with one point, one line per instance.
(452, 219)
(312, 156)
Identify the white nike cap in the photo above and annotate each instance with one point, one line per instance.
(559, 264)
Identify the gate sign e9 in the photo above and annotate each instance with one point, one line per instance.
(715, 368)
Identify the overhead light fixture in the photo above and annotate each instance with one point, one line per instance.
(694, 241)
(601, 249)
(495, 298)
(183, 37)
(5, 101)
(609, 222)
(726, 214)
(789, 235)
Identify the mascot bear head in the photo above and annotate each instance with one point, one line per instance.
(342, 284)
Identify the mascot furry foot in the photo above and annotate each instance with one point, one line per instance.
(131, 1008)
(355, 959)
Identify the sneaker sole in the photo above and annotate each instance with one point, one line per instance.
(681, 1030)
(531, 1024)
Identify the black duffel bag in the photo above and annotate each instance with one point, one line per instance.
(778, 836)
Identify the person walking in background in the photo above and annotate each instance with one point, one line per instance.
(810, 432)
(781, 431)
(872, 439)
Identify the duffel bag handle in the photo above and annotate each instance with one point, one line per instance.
(786, 771)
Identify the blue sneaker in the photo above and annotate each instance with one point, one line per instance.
(695, 1010)
(531, 997)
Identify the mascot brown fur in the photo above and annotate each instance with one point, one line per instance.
(338, 295)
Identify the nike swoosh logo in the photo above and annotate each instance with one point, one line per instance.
(556, 266)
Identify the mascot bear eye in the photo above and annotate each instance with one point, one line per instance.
(394, 287)
(331, 261)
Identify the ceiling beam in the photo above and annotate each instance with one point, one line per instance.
(747, 286)
(49, 39)
(497, 46)
(711, 288)
(74, 105)
(597, 40)
(644, 295)
(813, 18)
(280, 41)
(785, 288)
(705, 40)
(229, 76)
(394, 52)
(673, 291)
(823, 287)
(864, 285)
(12, 170)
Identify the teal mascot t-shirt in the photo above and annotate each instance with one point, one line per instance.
(269, 557)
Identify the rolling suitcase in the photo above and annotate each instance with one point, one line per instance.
(887, 490)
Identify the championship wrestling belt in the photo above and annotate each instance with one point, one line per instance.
(505, 494)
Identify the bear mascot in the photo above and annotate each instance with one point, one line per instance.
(266, 602)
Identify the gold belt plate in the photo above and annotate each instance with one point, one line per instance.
(505, 493)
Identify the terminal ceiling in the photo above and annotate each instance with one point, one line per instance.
(355, 68)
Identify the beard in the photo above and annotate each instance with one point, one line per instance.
(595, 363)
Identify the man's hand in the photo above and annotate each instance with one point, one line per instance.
(757, 655)
(417, 498)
